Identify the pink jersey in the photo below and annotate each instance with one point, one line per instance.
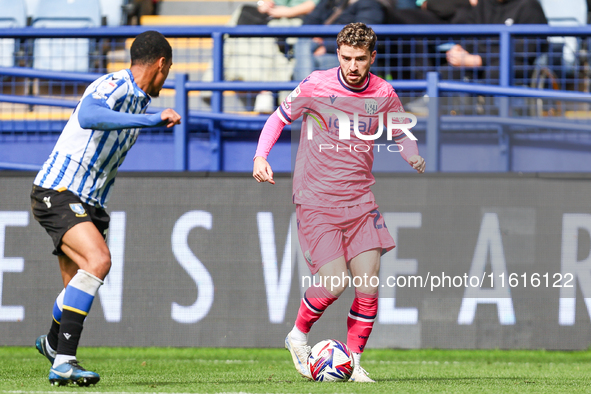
(330, 171)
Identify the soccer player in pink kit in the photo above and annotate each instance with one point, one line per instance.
(339, 226)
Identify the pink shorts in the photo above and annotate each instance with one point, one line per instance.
(328, 233)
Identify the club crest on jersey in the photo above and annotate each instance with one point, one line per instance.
(78, 209)
(371, 106)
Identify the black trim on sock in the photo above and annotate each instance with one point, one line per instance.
(69, 333)
(53, 334)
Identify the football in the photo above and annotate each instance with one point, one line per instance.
(331, 361)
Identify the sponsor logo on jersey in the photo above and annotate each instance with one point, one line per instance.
(105, 88)
(362, 130)
(78, 209)
(318, 118)
(289, 99)
(287, 102)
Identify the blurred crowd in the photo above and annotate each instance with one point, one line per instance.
(310, 54)
(320, 55)
(297, 58)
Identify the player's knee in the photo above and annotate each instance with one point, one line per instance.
(336, 290)
(100, 265)
(335, 283)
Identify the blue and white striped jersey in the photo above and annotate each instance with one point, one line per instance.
(86, 161)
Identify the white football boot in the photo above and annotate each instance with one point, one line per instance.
(360, 375)
(299, 355)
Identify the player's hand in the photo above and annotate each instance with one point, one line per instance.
(262, 170)
(171, 117)
(418, 163)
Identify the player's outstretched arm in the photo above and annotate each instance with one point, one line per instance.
(410, 152)
(262, 171)
(95, 114)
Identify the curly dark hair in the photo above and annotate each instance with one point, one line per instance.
(357, 35)
(148, 47)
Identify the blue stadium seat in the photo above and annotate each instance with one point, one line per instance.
(13, 14)
(65, 54)
(113, 10)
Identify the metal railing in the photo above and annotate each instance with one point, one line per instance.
(432, 85)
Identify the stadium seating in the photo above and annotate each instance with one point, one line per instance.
(65, 54)
(192, 12)
(13, 14)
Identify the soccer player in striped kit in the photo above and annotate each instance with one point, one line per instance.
(339, 226)
(71, 191)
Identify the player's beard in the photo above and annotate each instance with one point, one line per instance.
(359, 81)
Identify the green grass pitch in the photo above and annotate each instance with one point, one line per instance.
(207, 370)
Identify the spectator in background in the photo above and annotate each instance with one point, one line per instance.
(272, 13)
(267, 10)
(506, 12)
(405, 4)
(261, 59)
(135, 9)
(446, 10)
(431, 12)
(318, 54)
(286, 9)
